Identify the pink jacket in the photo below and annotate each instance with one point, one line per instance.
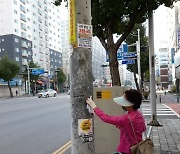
(123, 123)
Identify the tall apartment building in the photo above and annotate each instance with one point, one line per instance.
(98, 59)
(30, 30)
(173, 38)
(163, 67)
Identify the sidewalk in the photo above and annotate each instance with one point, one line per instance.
(167, 138)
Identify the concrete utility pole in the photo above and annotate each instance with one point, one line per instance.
(81, 82)
(154, 121)
(139, 60)
(28, 80)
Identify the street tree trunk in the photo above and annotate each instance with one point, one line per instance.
(10, 90)
(81, 83)
(114, 68)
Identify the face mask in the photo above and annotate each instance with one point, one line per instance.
(124, 108)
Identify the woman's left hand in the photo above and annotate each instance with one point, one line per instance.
(91, 102)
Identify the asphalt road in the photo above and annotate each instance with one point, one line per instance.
(34, 125)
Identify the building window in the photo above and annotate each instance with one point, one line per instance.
(15, 2)
(23, 1)
(15, 21)
(39, 4)
(29, 44)
(17, 58)
(17, 49)
(22, 8)
(16, 30)
(23, 26)
(23, 17)
(15, 12)
(16, 40)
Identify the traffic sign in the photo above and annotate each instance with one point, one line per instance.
(128, 61)
(37, 71)
(126, 55)
(49, 76)
(122, 49)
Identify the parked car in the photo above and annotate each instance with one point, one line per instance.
(47, 93)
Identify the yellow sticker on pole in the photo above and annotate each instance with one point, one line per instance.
(85, 126)
(72, 23)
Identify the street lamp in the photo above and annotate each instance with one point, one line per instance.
(28, 80)
(56, 71)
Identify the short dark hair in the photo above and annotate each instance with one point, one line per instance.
(134, 97)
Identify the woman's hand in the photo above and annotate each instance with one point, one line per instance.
(91, 102)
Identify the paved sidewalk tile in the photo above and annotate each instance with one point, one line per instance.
(166, 139)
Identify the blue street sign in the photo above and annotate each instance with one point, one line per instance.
(128, 61)
(122, 49)
(49, 76)
(126, 55)
(37, 71)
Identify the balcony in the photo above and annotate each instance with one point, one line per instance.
(23, 17)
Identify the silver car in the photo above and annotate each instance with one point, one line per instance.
(47, 93)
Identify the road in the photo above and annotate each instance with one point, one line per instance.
(34, 125)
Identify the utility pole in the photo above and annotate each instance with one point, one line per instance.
(81, 81)
(139, 60)
(28, 80)
(154, 121)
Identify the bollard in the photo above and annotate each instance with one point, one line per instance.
(160, 98)
(178, 99)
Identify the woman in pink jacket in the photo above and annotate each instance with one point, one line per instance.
(130, 102)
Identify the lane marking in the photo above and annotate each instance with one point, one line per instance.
(62, 149)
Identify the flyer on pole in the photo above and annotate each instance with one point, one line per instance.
(84, 35)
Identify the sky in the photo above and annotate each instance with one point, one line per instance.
(160, 27)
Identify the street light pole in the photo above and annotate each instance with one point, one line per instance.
(139, 60)
(28, 80)
(154, 121)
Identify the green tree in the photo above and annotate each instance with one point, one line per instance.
(132, 38)
(119, 17)
(61, 76)
(8, 70)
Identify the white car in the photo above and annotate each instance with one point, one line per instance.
(47, 93)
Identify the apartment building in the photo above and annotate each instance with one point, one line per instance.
(30, 30)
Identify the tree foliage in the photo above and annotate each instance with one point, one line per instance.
(61, 76)
(144, 52)
(8, 70)
(119, 16)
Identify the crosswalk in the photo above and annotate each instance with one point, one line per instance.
(162, 111)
